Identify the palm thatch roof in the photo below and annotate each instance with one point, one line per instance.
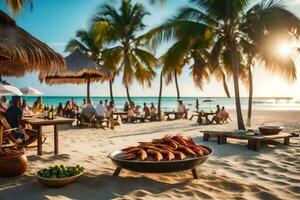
(80, 69)
(20, 52)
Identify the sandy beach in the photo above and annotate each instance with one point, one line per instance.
(232, 172)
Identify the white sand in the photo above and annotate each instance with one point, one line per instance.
(232, 172)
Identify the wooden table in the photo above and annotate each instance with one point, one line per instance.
(169, 113)
(120, 114)
(206, 116)
(195, 114)
(253, 141)
(38, 122)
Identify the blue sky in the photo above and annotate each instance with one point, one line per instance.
(56, 21)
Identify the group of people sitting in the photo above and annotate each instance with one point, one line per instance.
(134, 113)
(221, 115)
(102, 111)
(26, 110)
(71, 108)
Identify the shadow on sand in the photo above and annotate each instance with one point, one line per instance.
(92, 187)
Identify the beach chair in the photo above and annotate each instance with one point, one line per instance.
(99, 121)
(8, 140)
(87, 118)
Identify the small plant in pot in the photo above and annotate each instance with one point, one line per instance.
(12, 163)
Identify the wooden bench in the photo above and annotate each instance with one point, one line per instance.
(253, 141)
(221, 135)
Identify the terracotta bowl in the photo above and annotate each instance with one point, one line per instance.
(58, 182)
(270, 130)
(13, 166)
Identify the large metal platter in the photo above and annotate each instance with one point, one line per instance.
(158, 167)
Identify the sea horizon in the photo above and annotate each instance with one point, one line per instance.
(170, 103)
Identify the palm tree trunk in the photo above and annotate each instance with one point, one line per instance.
(88, 88)
(127, 93)
(176, 83)
(250, 96)
(225, 86)
(111, 90)
(159, 96)
(235, 66)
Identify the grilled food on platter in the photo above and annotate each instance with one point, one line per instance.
(167, 148)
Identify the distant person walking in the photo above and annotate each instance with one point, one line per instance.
(197, 104)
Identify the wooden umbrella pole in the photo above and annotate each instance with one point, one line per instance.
(88, 88)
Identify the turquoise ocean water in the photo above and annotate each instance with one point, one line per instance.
(170, 103)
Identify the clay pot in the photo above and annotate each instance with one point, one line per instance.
(13, 166)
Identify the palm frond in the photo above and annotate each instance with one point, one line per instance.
(112, 58)
(223, 10)
(213, 59)
(145, 57)
(193, 14)
(200, 71)
(142, 74)
(173, 59)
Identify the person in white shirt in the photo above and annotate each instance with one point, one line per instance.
(101, 110)
(83, 103)
(181, 110)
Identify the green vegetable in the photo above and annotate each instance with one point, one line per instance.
(60, 171)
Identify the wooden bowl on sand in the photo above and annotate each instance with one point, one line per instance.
(270, 130)
(57, 182)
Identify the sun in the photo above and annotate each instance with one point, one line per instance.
(284, 49)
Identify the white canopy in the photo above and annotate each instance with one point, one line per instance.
(29, 91)
(9, 89)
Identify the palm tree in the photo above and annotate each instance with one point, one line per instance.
(160, 94)
(189, 46)
(136, 63)
(193, 50)
(225, 20)
(265, 24)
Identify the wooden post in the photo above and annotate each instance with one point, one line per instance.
(195, 174)
(287, 141)
(222, 139)
(254, 144)
(205, 136)
(88, 88)
(55, 139)
(117, 171)
(40, 140)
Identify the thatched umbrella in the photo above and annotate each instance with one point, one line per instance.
(80, 69)
(20, 52)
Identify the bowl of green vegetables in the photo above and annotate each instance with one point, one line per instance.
(59, 176)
